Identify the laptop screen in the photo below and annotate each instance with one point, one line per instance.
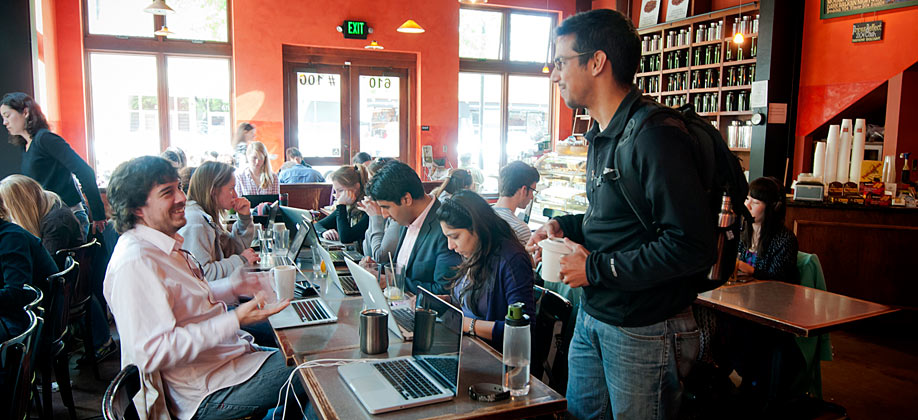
(437, 338)
(256, 199)
(297, 243)
(293, 217)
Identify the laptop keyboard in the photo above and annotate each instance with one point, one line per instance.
(309, 310)
(349, 286)
(447, 366)
(404, 317)
(409, 382)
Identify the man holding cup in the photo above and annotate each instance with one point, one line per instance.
(636, 336)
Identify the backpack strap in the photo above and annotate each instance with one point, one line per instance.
(624, 166)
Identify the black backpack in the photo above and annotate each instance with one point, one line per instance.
(719, 169)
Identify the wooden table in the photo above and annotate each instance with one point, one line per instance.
(332, 398)
(799, 310)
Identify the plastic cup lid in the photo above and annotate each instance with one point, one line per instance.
(554, 245)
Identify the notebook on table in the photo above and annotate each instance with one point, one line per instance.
(429, 375)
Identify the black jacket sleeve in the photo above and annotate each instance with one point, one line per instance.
(346, 232)
(55, 146)
(572, 226)
(684, 241)
(329, 222)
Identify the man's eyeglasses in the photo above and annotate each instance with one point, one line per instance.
(534, 190)
(558, 62)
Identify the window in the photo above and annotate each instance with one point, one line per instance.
(147, 92)
(504, 98)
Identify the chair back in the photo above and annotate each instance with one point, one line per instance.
(36, 301)
(82, 291)
(551, 338)
(57, 308)
(16, 366)
(310, 196)
(118, 403)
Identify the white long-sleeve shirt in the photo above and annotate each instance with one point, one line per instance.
(174, 322)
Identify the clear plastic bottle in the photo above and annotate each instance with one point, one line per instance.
(517, 353)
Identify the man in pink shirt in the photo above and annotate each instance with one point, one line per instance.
(172, 322)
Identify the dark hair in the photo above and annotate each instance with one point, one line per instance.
(458, 180)
(361, 157)
(769, 191)
(610, 32)
(130, 185)
(468, 210)
(19, 102)
(176, 156)
(293, 152)
(393, 181)
(516, 175)
(185, 175)
(377, 165)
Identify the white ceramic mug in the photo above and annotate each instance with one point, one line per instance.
(552, 251)
(284, 281)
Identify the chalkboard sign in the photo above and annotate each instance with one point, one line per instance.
(835, 8)
(867, 31)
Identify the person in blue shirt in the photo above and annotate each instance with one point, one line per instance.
(296, 171)
(495, 270)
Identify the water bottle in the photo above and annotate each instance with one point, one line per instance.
(516, 350)
(724, 221)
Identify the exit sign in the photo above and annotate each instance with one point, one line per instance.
(355, 29)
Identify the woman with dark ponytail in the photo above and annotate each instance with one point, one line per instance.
(495, 270)
(767, 249)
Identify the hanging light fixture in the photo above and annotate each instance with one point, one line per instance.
(164, 31)
(410, 27)
(158, 7)
(374, 46)
(738, 37)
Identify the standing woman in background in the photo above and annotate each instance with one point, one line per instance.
(245, 134)
(48, 159)
(258, 178)
(767, 249)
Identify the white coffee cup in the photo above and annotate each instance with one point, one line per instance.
(284, 281)
(552, 251)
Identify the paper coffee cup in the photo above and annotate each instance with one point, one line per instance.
(284, 281)
(552, 251)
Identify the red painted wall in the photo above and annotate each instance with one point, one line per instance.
(834, 72)
(260, 32)
(68, 28)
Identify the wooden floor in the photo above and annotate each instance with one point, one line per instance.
(874, 374)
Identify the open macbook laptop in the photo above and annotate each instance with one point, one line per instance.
(302, 312)
(429, 375)
(290, 257)
(401, 314)
(345, 283)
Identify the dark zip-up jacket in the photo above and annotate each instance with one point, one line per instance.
(638, 277)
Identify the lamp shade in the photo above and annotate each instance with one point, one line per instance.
(158, 7)
(374, 46)
(164, 31)
(410, 27)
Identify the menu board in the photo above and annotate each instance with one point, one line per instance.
(835, 8)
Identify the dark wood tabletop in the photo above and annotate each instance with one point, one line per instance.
(799, 310)
(333, 400)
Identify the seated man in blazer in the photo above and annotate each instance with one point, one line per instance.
(422, 248)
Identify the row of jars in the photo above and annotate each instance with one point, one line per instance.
(649, 63)
(650, 84)
(678, 39)
(736, 101)
(709, 32)
(650, 43)
(706, 102)
(706, 55)
(675, 101)
(746, 25)
(705, 79)
(739, 75)
(741, 52)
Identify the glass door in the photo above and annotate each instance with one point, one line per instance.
(321, 109)
(381, 123)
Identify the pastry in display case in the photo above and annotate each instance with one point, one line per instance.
(562, 184)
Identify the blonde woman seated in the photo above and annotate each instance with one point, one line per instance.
(257, 178)
(210, 194)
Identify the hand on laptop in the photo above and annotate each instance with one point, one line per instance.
(331, 235)
(242, 206)
(256, 310)
(250, 256)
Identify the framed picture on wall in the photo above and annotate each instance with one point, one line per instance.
(677, 9)
(835, 8)
(650, 13)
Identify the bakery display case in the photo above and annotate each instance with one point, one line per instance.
(562, 185)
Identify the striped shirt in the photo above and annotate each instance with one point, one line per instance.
(522, 231)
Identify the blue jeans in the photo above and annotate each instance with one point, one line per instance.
(83, 217)
(256, 395)
(630, 372)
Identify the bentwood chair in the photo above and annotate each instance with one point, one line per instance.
(81, 298)
(51, 353)
(118, 403)
(16, 371)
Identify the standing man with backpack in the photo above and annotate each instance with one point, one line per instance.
(636, 337)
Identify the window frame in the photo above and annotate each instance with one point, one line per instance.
(506, 68)
(159, 47)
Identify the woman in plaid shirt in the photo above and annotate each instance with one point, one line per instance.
(257, 178)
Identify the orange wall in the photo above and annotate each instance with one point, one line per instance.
(834, 72)
(260, 31)
(68, 28)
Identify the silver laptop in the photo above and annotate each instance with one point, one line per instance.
(290, 257)
(401, 314)
(429, 375)
(345, 283)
